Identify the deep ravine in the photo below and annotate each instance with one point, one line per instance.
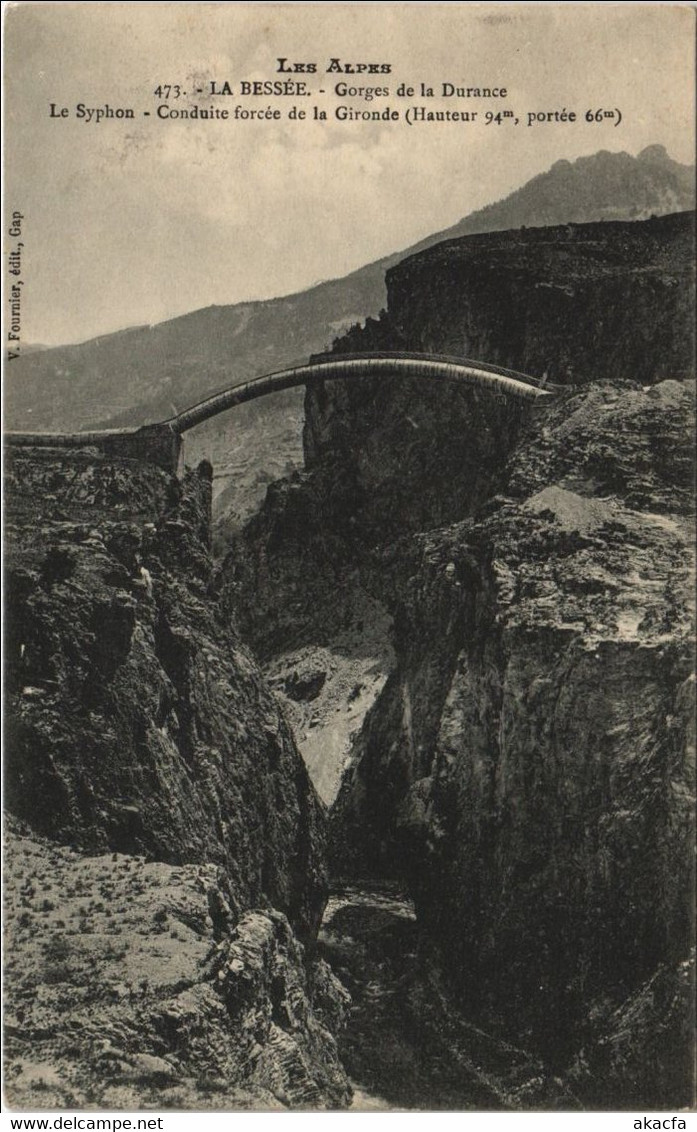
(526, 770)
(405, 1044)
(525, 775)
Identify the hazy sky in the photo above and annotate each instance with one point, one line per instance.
(136, 221)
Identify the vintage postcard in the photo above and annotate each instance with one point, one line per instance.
(349, 368)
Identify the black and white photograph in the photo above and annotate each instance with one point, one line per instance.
(348, 561)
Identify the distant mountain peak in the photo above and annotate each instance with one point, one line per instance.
(654, 153)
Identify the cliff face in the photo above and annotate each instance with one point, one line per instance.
(577, 303)
(530, 765)
(138, 723)
(307, 553)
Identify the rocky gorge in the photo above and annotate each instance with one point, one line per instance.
(474, 623)
(526, 771)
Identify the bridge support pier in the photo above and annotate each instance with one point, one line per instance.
(158, 444)
(155, 443)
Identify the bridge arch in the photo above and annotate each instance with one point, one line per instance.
(436, 367)
(160, 443)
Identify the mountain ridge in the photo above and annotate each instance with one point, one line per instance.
(139, 374)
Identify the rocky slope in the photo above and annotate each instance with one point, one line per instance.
(169, 876)
(127, 988)
(528, 768)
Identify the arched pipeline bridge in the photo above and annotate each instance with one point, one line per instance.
(160, 443)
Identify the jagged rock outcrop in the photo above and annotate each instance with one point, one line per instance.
(137, 722)
(599, 186)
(305, 554)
